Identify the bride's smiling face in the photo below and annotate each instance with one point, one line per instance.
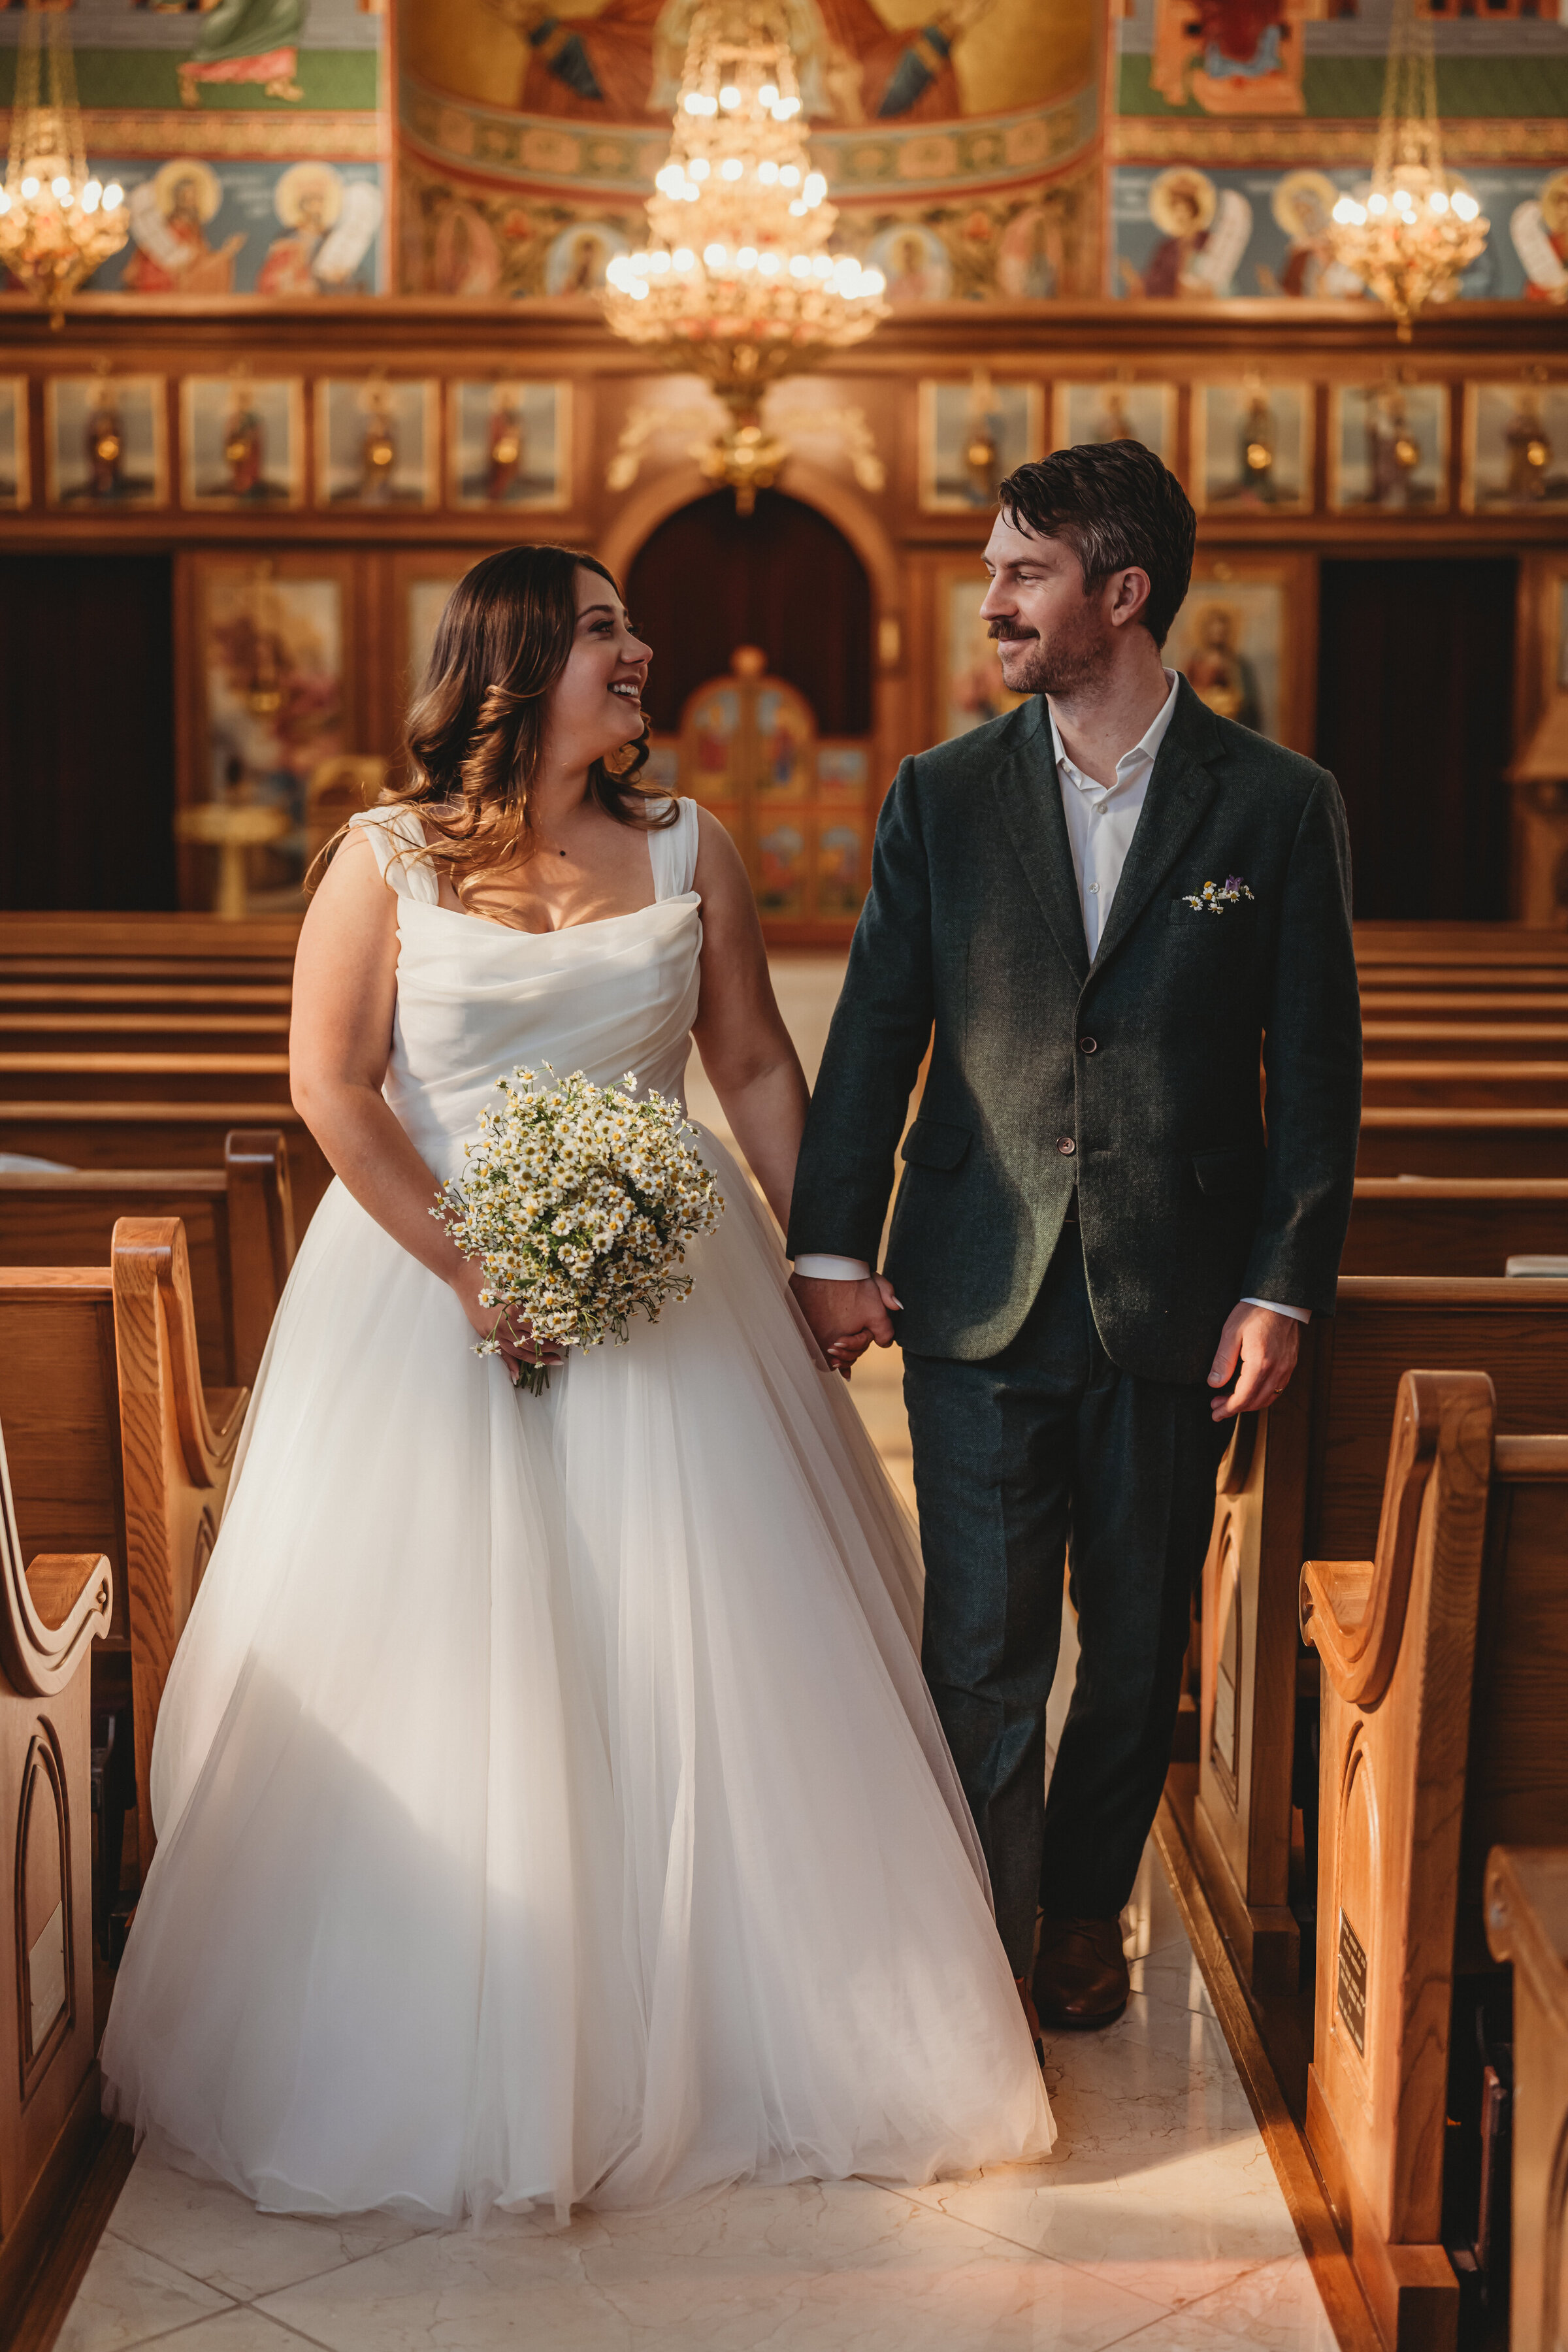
(596, 704)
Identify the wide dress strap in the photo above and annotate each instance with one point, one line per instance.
(673, 851)
(393, 833)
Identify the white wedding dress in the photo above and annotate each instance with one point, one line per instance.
(549, 1806)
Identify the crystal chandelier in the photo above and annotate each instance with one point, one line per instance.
(1409, 238)
(737, 284)
(56, 224)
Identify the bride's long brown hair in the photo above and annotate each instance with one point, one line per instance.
(476, 727)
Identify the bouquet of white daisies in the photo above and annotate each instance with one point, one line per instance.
(578, 1201)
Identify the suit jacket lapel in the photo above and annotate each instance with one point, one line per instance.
(1026, 784)
(1180, 790)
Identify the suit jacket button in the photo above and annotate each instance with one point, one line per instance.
(1088, 1044)
(1066, 1145)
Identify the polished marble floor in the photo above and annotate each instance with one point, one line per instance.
(1157, 2223)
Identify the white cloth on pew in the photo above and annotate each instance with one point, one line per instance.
(22, 1163)
(550, 1804)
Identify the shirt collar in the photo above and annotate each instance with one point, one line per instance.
(1133, 764)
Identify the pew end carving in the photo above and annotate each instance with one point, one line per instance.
(1442, 1662)
(1527, 1925)
(51, 1613)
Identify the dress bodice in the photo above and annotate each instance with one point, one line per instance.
(476, 1000)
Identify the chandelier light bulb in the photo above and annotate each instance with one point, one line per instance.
(29, 187)
(699, 167)
(730, 168)
(715, 256)
(113, 196)
(729, 97)
(789, 175)
(799, 208)
(62, 188)
(1378, 203)
(683, 257)
(815, 189)
(1466, 206)
(747, 258)
(1437, 202)
(768, 173)
(768, 96)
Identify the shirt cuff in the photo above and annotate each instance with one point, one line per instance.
(816, 1266)
(1297, 1314)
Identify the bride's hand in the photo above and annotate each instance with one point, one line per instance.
(518, 1351)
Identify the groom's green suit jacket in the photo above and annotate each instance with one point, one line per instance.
(1134, 1077)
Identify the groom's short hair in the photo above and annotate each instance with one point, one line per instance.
(1117, 507)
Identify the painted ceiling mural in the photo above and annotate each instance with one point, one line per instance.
(248, 135)
(1239, 123)
(961, 142)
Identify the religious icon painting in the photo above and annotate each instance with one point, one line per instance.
(1117, 412)
(970, 687)
(16, 473)
(375, 443)
(1516, 448)
(509, 444)
(971, 435)
(1252, 447)
(780, 877)
(578, 257)
(712, 766)
(242, 441)
(785, 741)
(1245, 640)
(1388, 448)
(105, 442)
(914, 263)
(843, 770)
(840, 868)
(1227, 641)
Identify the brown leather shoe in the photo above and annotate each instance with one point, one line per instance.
(1080, 1976)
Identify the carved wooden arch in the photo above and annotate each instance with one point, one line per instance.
(814, 486)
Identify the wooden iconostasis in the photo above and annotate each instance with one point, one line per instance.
(297, 490)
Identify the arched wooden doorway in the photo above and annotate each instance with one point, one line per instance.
(761, 627)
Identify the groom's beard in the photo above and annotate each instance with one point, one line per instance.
(1077, 656)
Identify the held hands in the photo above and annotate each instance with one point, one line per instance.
(1265, 1346)
(847, 1317)
(517, 1353)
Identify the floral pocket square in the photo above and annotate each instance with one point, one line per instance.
(1216, 897)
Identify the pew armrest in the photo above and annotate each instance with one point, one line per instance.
(153, 1295)
(1353, 1611)
(55, 1609)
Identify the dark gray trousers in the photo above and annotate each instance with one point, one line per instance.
(1044, 1449)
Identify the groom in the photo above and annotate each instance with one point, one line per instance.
(1095, 912)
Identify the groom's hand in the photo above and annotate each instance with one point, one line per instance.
(1265, 1346)
(846, 1317)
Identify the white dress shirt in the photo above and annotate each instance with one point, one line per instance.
(1100, 821)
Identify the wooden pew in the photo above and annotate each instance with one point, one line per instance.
(1402, 1139)
(116, 1447)
(1502, 1085)
(1445, 1040)
(239, 1234)
(1527, 1924)
(1301, 1480)
(95, 948)
(136, 1076)
(97, 1133)
(1445, 1660)
(1380, 1001)
(50, 1613)
(193, 1028)
(1454, 1224)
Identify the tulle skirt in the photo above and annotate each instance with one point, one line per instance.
(550, 1806)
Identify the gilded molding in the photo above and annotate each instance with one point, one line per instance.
(228, 135)
(865, 160)
(1191, 139)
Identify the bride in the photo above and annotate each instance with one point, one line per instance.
(549, 1808)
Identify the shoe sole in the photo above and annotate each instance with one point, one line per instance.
(1082, 2024)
